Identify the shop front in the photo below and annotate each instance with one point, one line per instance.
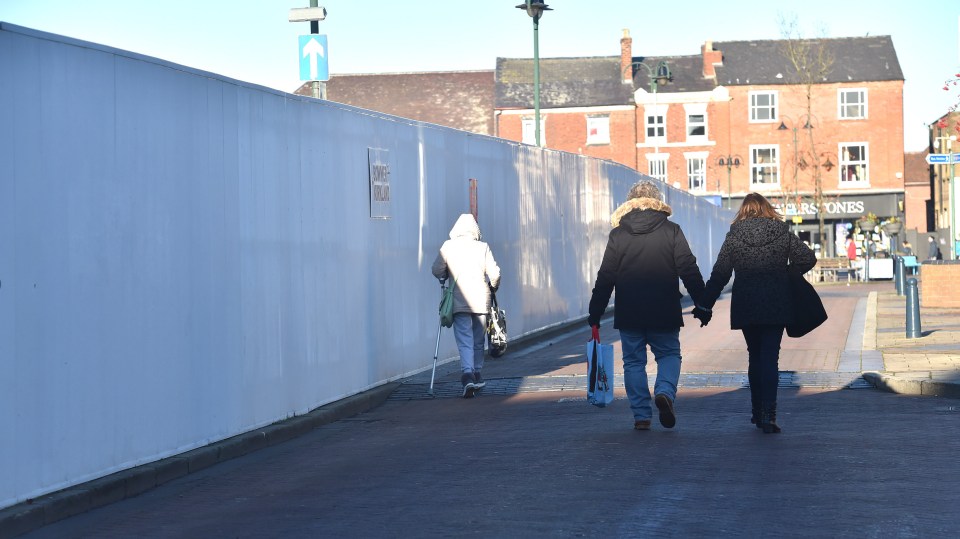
(841, 211)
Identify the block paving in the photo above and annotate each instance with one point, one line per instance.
(529, 456)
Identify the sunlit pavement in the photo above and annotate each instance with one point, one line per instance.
(529, 457)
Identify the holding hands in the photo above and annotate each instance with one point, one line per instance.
(702, 314)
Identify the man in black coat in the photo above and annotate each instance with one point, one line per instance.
(646, 254)
(933, 253)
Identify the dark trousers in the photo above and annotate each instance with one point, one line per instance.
(763, 348)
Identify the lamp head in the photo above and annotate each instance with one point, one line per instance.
(950, 139)
(663, 74)
(534, 8)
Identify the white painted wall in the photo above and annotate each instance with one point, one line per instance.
(185, 257)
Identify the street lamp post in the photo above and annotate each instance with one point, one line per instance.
(535, 9)
(797, 164)
(729, 161)
(314, 14)
(657, 77)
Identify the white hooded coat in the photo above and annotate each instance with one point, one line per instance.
(470, 262)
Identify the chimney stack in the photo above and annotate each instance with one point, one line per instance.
(626, 56)
(711, 59)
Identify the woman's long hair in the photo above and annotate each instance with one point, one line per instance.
(755, 205)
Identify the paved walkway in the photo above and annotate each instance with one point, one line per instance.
(530, 458)
(927, 365)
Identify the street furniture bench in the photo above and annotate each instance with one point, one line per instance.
(828, 269)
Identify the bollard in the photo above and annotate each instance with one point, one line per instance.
(898, 274)
(913, 310)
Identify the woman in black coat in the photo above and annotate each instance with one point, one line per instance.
(761, 249)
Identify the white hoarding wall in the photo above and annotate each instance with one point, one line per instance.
(185, 257)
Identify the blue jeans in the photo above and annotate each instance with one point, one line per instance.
(470, 331)
(665, 345)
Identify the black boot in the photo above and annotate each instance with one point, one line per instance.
(755, 411)
(754, 395)
(768, 418)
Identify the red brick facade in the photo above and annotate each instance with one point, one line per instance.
(566, 130)
(730, 131)
(850, 137)
(938, 285)
(881, 133)
(916, 186)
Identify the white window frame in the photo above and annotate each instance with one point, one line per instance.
(696, 171)
(657, 112)
(773, 109)
(848, 168)
(757, 168)
(601, 124)
(696, 109)
(657, 165)
(843, 105)
(528, 133)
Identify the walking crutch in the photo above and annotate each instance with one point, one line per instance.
(436, 351)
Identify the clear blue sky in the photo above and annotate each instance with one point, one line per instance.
(251, 40)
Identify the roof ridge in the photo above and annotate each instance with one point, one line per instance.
(802, 39)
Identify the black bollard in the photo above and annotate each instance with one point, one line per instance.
(898, 274)
(913, 310)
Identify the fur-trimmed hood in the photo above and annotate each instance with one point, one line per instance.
(639, 204)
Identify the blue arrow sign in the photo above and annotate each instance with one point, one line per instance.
(313, 57)
(943, 158)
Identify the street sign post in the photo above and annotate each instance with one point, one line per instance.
(313, 48)
(943, 158)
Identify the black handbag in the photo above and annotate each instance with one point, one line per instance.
(808, 311)
(496, 327)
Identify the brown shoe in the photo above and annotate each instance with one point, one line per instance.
(667, 417)
(642, 424)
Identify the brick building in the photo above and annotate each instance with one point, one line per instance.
(733, 119)
(459, 99)
(944, 133)
(918, 206)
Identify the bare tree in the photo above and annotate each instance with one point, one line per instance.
(944, 122)
(812, 63)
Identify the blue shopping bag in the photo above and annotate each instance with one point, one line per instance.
(599, 373)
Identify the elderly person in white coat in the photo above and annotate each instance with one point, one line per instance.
(471, 265)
